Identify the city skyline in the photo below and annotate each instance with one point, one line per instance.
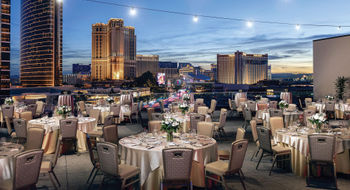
(181, 40)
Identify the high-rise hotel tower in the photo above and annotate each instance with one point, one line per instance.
(5, 48)
(113, 51)
(41, 43)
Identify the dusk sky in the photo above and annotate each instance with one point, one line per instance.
(178, 38)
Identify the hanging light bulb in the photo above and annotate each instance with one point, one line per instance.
(249, 24)
(133, 11)
(339, 28)
(195, 18)
(297, 27)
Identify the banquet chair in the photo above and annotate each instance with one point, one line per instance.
(321, 154)
(39, 109)
(311, 107)
(247, 114)
(115, 111)
(251, 105)
(205, 128)
(308, 102)
(175, 107)
(7, 111)
(291, 107)
(157, 117)
(240, 105)
(225, 154)
(203, 110)
(194, 119)
(32, 108)
(154, 126)
(255, 138)
(149, 113)
(11, 132)
(219, 126)
(68, 129)
(82, 108)
(134, 110)
(110, 134)
(20, 127)
(276, 123)
(276, 113)
(225, 169)
(177, 163)
(26, 170)
(273, 104)
(330, 109)
(200, 101)
(307, 115)
(277, 152)
(109, 120)
(47, 166)
(95, 113)
(88, 108)
(348, 100)
(27, 115)
(212, 106)
(232, 106)
(264, 100)
(108, 159)
(94, 160)
(35, 137)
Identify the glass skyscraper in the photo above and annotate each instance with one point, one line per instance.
(41, 43)
(5, 48)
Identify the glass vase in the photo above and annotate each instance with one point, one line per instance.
(170, 137)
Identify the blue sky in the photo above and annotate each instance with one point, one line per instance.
(178, 38)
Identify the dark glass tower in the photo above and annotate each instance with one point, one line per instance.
(5, 48)
(41, 43)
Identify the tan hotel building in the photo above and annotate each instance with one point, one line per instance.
(242, 68)
(113, 51)
(146, 63)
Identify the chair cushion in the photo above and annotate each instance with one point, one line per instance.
(126, 171)
(45, 166)
(281, 150)
(6, 184)
(95, 133)
(219, 167)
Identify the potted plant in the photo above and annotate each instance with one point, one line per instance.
(317, 120)
(9, 101)
(170, 126)
(340, 87)
(63, 111)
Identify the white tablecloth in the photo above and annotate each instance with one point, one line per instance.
(7, 151)
(136, 153)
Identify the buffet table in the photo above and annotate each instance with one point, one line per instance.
(145, 151)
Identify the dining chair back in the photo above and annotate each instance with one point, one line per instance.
(194, 119)
(273, 104)
(40, 107)
(322, 147)
(88, 108)
(276, 123)
(149, 113)
(68, 128)
(212, 106)
(177, 163)
(251, 105)
(154, 126)
(232, 104)
(276, 113)
(264, 136)
(307, 114)
(7, 111)
(200, 101)
(254, 131)
(95, 113)
(20, 126)
(35, 137)
(110, 134)
(27, 115)
(238, 150)
(223, 116)
(205, 128)
(109, 120)
(32, 108)
(330, 105)
(26, 168)
(8, 125)
(291, 107)
(308, 102)
(247, 114)
(115, 109)
(240, 134)
(81, 106)
(157, 117)
(108, 158)
(203, 109)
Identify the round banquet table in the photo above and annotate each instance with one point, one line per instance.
(7, 151)
(141, 151)
(51, 126)
(298, 143)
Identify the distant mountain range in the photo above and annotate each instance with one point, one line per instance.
(288, 75)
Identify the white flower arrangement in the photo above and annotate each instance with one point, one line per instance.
(318, 119)
(110, 100)
(184, 107)
(186, 97)
(9, 101)
(329, 97)
(283, 104)
(170, 125)
(63, 110)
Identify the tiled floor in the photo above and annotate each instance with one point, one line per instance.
(73, 170)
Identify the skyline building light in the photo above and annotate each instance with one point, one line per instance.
(41, 43)
(5, 48)
(146, 63)
(113, 51)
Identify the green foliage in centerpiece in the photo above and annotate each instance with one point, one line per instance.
(184, 107)
(110, 100)
(283, 104)
(318, 120)
(63, 110)
(9, 101)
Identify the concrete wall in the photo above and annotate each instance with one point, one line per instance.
(331, 58)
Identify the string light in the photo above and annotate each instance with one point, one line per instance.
(195, 19)
(249, 24)
(297, 27)
(217, 17)
(133, 11)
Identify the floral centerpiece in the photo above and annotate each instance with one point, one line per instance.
(9, 101)
(186, 97)
(170, 125)
(64, 110)
(318, 120)
(110, 100)
(184, 108)
(329, 97)
(283, 104)
(258, 97)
